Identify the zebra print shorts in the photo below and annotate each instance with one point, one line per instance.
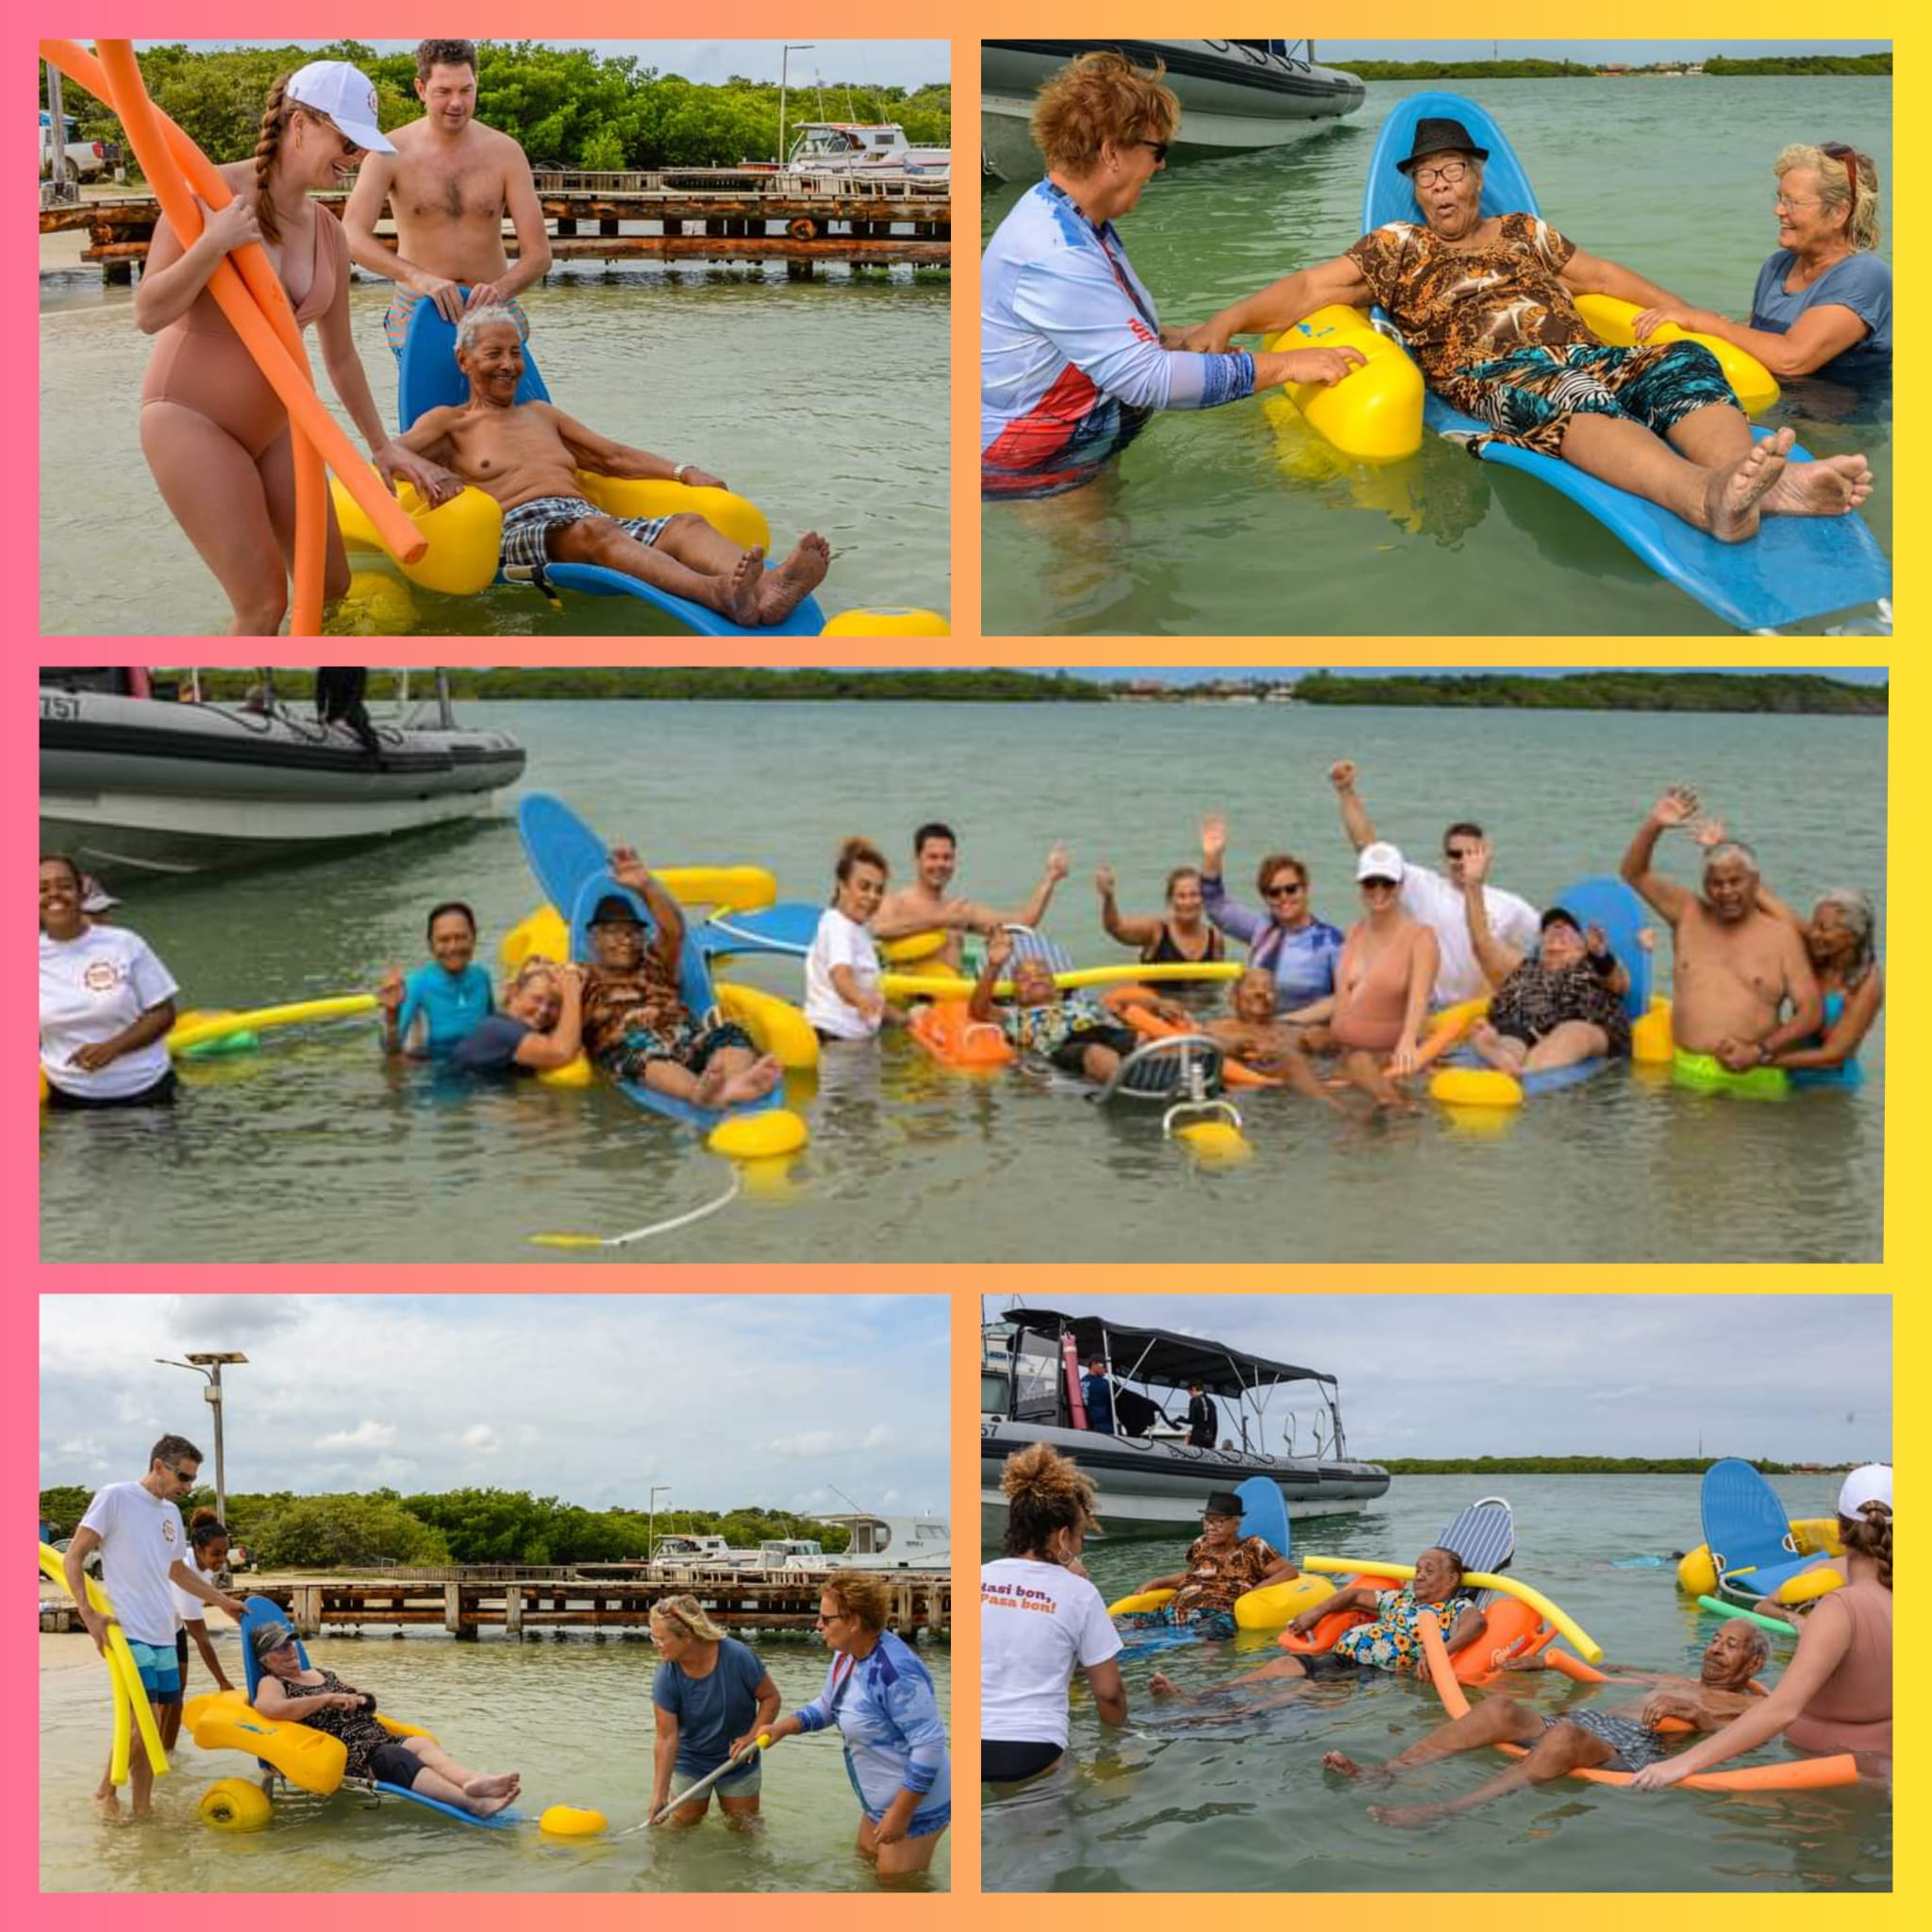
(1529, 395)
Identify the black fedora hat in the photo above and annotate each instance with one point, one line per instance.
(1433, 136)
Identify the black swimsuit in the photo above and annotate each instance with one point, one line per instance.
(1164, 952)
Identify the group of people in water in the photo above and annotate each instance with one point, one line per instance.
(1075, 360)
(715, 1708)
(217, 437)
(1042, 1621)
(1763, 996)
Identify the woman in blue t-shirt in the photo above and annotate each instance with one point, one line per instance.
(711, 1698)
(1823, 304)
(440, 1002)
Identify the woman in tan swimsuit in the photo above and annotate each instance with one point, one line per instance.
(1836, 1694)
(1382, 982)
(213, 430)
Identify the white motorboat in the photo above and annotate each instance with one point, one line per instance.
(141, 776)
(887, 1542)
(1152, 1480)
(1235, 95)
(863, 147)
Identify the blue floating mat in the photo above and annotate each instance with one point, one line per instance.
(1746, 1529)
(429, 379)
(1796, 568)
(1264, 1514)
(260, 1610)
(787, 928)
(571, 864)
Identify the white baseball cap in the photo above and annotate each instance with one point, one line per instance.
(1869, 1484)
(346, 96)
(1380, 860)
(95, 897)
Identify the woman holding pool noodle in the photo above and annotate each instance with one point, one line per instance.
(711, 1700)
(215, 434)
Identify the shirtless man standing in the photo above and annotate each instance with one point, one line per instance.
(526, 456)
(449, 184)
(927, 903)
(1737, 968)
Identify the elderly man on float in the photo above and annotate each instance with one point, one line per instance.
(1486, 305)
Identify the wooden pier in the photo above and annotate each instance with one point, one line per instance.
(519, 1602)
(708, 214)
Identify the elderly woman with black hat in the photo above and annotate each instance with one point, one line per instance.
(1823, 303)
(1221, 1565)
(1073, 358)
(1487, 305)
(1554, 1005)
(291, 1691)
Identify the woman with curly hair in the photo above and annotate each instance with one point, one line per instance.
(1039, 1618)
(1836, 1694)
(214, 432)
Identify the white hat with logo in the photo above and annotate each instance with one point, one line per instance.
(346, 96)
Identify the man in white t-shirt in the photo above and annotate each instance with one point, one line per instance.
(136, 1528)
(1438, 902)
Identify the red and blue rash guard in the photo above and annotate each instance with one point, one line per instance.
(1071, 365)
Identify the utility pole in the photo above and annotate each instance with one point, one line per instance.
(210, 1368)
(784, 79)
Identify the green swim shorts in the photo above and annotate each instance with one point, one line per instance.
(1704, 1072)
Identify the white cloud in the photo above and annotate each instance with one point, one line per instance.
(876, 1436)
(807, 1443)
(482, 1439)
(365, 1435)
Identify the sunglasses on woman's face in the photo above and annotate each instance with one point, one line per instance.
(1159, 148)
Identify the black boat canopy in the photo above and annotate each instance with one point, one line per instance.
(1163, 1356)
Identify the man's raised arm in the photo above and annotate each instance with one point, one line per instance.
(1671, 901)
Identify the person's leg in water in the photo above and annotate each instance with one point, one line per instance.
(1500, 1050)
(781, 589)
(692, 560)
(1493, 1720)
(1365, 1071)
(1566, 1044)
(1279, 1670)
(441, 1778)
(214, 489)
(729, 1076)
(1562, 1748)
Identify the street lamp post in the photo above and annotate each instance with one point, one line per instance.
(657, 1489)
(210, 1368)
(784, 77)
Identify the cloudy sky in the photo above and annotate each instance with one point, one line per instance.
(883, 63)
(1792, 1377)
(765, 1400)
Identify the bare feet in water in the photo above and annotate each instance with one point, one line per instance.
(1733, 495)
(737, 591)
(1830, 487)
(792, 582)
(1407, 1817)
(1345, 1766)
(753, 1083)
(1163, 1686)
(503, 1785)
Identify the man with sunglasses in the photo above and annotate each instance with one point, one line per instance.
(1487, 306)
(136, 1528)
(1439, 902)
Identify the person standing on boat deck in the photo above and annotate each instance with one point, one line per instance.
(1823, 303)
(449, 182)
(1203, 1425)
(1436, 900)
(1073, 358)
(136, 1528)
(1040, 1619)
(711, 1699)
(1221, 1565)
(1096, 1395)
(1835, 1692)
(214, 432)
(340, 691)
(1487, 307)
(927, 903)
(1299, 949)
(1735, 968)
(107, 1004)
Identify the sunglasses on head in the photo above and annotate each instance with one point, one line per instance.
(1847, 156)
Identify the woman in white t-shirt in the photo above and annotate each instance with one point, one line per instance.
(1039, 1618)
(843, 998)
(107, 1004)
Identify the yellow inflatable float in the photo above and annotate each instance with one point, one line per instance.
(1813, 1535)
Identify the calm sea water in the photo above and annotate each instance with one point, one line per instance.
(907, 1159)
(1219, 523)
(822, 402)
(1179, 1803)
(573, 1715)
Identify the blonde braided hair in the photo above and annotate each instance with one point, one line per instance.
(1868, 1534)
(274, 120)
